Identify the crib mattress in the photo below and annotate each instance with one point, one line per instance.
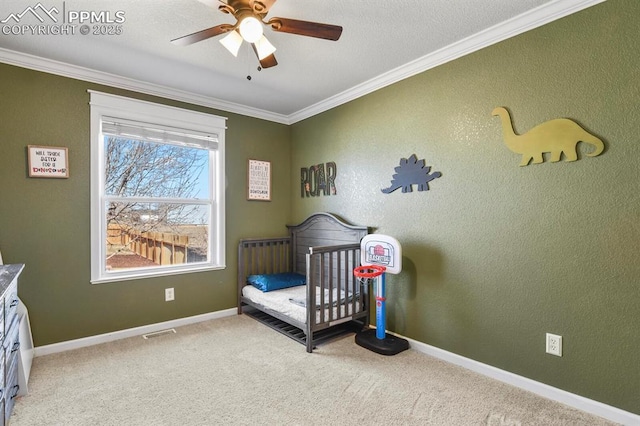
(283, 301)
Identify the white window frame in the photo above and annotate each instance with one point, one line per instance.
(112, 106)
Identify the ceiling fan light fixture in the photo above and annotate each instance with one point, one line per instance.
(249, 25)
(251, 29)
(264, 48)
(232, 42)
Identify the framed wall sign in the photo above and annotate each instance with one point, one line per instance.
(48, 161)
(259, 180)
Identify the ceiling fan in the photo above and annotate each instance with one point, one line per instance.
(250, 17)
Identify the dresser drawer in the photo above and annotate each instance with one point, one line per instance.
(11, 389)
(1, 321)
(10, 305)
(3, 370)
(11, 345)
(2, 324)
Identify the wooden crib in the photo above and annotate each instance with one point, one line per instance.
(324, 249)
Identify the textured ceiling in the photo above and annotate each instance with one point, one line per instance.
(382, 41)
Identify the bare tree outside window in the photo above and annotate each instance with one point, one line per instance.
(152, 213)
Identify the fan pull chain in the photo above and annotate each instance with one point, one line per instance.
(249, 63)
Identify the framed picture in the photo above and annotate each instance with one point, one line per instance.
(48, 161)
(259, 180)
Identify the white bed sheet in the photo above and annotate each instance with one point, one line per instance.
(280, 301)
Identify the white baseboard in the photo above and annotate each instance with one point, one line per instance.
(130, 332)
(584, 404)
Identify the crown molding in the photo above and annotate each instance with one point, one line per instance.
(527, 21)
(522, 23)
(50, 66)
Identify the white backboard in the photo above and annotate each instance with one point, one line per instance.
(383, 250)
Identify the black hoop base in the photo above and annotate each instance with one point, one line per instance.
(390, 345)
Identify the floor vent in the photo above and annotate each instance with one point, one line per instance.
(158, 333)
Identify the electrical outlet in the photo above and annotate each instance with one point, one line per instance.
(168, 294)
(554, 344)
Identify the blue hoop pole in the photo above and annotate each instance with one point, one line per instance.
(379, 275)
(381, 317)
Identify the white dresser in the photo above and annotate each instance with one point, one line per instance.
(10, 330)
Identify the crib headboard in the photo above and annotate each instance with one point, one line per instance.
(321, 229)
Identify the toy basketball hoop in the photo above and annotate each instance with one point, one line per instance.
(363, 271)
(379, 254)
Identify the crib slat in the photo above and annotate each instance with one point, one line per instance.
(331, 269)
(265, 256)
(355, 287)
(322, 288)
(275, 257)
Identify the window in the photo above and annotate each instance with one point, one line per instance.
(157, 189)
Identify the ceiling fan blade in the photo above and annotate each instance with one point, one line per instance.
(261, 6)
(268, 62)
(306, 28)
(202, 35)
(213, 3)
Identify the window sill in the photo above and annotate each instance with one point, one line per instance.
(130, 275)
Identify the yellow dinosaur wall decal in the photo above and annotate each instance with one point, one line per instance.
(556, 136)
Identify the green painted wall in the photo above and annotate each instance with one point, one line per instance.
(496, 255)
(45, 223)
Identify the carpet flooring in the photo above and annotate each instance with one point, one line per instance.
(236, 371)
